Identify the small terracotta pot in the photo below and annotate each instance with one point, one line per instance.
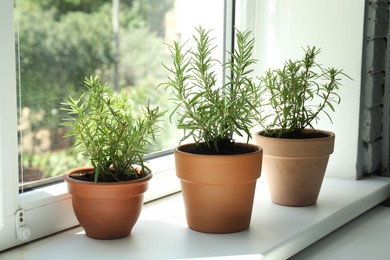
(106, 210)
(295, 168)
(218, 190)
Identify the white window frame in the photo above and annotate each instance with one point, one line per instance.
(8, 139)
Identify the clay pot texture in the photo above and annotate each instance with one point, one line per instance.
(294, 168)
(106, 210)
(218, 190)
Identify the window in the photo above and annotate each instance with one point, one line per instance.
(274, 24)
(57, 45)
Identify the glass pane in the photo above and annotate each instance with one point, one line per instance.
(59, 43)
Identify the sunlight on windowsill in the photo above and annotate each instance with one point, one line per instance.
(276, 232)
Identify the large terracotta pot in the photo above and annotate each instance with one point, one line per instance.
(218, 190)
(295, 168)
(106, 210)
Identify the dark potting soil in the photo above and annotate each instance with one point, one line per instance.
(89, 177)
(223, 149)
(299, 135)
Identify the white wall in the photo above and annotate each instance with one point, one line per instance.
(283, 27)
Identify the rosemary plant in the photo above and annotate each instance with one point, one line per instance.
(299, 93)
(208, 112)
(107, 131)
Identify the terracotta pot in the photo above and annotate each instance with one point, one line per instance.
(218, 190)
(294, 168)
(106, 210)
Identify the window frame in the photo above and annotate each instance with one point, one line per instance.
(9, 202)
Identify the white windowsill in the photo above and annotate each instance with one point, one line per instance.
(276, 232)
(366, 237)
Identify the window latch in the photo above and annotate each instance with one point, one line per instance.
(22, 231)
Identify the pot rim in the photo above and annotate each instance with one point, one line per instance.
(297, 148)
(329, 134)
(258, 148)
(67, 178)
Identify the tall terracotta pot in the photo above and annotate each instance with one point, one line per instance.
(295, 168)
(106, 210)
(218, 190)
